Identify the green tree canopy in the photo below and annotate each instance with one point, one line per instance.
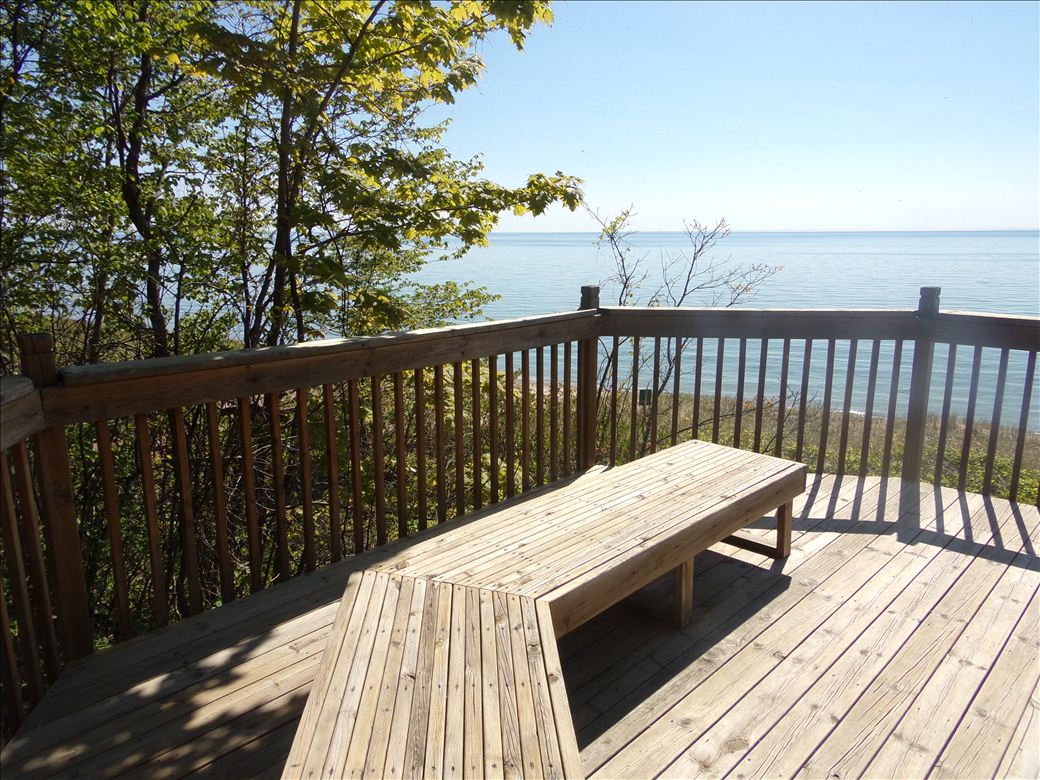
(181, 175)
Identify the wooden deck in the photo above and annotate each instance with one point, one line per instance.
(899, 638)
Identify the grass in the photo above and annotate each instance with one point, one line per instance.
(972, 468)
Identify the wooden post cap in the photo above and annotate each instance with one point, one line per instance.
(37, 356)
(929, 302)
(589, 296)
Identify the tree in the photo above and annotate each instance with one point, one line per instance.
(693, 275)
(181, 175)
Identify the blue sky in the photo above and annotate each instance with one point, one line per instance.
(787, 116)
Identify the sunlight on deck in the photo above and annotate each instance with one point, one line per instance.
(900, 635)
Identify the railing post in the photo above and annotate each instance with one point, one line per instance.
(588, 353)
(920, 385)
(59, 509)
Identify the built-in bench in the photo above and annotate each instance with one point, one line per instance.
(442, 660)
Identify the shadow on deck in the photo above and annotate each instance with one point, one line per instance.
(900, 636)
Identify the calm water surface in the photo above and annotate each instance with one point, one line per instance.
(537, 273)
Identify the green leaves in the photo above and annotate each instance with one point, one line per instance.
(263, 166)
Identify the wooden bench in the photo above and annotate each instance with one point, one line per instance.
(443, 661)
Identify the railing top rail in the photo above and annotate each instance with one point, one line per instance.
(718, 311)
(745, 311)
(14, 387)
(1011, 331)
(20, 412)
(157, 367)
(103, 392)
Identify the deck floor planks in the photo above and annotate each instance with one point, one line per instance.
(388, 763)
(919, 736)
(403, 643)
(739, 625)
(727, 587)
(435, 704)
(999, 735)
(237, 740)
(863, 728)
(492, 718)
(1021, 757)
(512, 754)
(844, 594)
(455, 717)
(902, 602)
(385, 662)
(547, 739)
(473, 737)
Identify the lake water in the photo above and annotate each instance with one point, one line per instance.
(538, 273)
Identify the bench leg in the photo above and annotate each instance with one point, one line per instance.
(784, 525)
(682, 578)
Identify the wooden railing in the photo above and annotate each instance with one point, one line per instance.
(167, 487)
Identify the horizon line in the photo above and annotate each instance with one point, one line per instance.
(806, 230)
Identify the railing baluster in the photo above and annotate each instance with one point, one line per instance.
(614, 359)
(846, 411)
(245, 429)
(478, 446)
(944, 422)
(493, 427)
(303, 434)
(635, 400)
(893, 398)
(969, 418)
(1023, 421)
(760, 391)
(420, 448)
(438, 435)
(12, 681)
(510, 390)
(332, 469)
(781, 409)
(457, 430)
(54, 480)
(20, 592)
(525, 420)
(400, 458)
(379, 459)
(216, 457)
(554, 406)
(356, 509)
(739, 407)
(539, 426)
(274, 412)
(676, 373)
(697, 373)
(31, 543)
(868, 412)
(803, 400)
(994, 428)
(113, 531)
(189, 548)
(160, 608)
(567, 404)
(825, 413)
(716, 421)
(655, 383)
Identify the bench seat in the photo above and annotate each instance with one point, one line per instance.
(478, 608)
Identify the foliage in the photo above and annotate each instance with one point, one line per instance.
(181, 176)
(691, 276)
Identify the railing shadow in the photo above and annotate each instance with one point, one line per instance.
(621, 660)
